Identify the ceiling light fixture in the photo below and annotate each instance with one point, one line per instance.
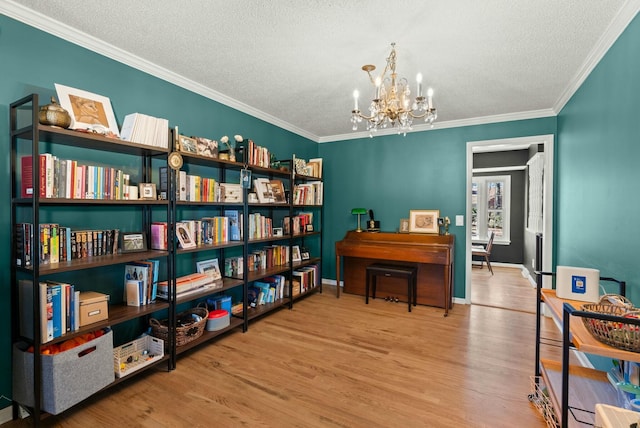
(392, 105)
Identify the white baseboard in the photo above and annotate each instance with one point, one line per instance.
(6, 415)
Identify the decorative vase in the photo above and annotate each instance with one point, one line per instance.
(54, 115)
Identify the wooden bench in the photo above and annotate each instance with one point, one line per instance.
(410, 273)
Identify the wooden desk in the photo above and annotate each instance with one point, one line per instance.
(432, 254)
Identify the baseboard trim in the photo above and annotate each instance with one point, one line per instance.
(6, 415)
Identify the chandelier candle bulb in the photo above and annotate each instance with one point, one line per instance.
(419, 80)
(378, 84)
(430, 98)
(356, 94)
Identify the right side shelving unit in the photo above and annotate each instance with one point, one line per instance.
(573, 390)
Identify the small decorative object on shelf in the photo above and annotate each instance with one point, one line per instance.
(148, 191)
(132, 242)
(54, 115)
(231, 155)
(175, 160)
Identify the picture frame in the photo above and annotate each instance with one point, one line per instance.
(295, 252)
(277, 189)
(277, 231)
(209, 267)
(131, 242)
(304, 253)
(404, 225)
(183, 233)
(88, 111)
(206, 147)
(263, 189)
(147, 191)
(309, 228)
(187, 144)
(423, 221)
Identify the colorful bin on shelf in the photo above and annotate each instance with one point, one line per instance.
(217, 320)
(68, 377)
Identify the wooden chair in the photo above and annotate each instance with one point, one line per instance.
(484, 252)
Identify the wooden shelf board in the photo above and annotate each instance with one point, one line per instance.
(209, 335)
(580, 336)
(587, 387)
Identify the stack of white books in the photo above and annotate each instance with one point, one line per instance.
(143, 129)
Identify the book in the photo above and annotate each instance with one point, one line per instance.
(133, 292)
(25, 301)
(234, 224)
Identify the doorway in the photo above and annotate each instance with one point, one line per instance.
(504, 275)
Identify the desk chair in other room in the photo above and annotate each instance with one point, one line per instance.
(484, 252)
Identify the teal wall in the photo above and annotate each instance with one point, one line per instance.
(32, 61)
(598, 154)
(394, 174)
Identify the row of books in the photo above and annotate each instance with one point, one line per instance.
(308, 193)
(60, 243)
(194, 188)
(267, 290)
(260, 226)
(59, 309)
(141, 282)
(264, 258)
(207, 230)
(143, 129)
(250, 153)
(305, 278)
(65, 178)
(298, 223)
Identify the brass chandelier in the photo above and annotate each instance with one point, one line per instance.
(392, 105)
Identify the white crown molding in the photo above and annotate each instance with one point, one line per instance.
(620, 22)
(509, 117)
(65, 32)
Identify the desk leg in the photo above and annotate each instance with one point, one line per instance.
(447, 290)
(337, 276)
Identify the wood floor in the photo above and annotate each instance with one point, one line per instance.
(340, 363)
(506, 288)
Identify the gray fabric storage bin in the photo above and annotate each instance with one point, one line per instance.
(68, 377)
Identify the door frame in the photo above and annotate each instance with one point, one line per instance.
(547, 211)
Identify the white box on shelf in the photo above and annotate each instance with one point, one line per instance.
(137, 354)
(576, 283)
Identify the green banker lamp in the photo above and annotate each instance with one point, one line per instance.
(359, 212)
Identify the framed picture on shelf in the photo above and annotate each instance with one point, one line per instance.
(404, 225)
(209, 267)
(147, 191)
(206, 147)
(132, 242)
(277, 188)
(423, 221)
(88, 111)
(295, 252)
(183, 233)
(263, 189)
(187, 144)
(304, 253)
(277, 231)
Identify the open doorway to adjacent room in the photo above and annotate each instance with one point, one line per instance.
(509, 194)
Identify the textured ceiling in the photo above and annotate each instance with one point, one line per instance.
(296, 63)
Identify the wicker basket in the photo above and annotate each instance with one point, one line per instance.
(187, 328)
(618, 334)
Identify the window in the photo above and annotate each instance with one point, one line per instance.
(490, 197)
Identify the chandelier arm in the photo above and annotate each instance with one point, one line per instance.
(359, 114)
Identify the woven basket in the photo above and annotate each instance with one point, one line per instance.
(187, 329)
(618, 334)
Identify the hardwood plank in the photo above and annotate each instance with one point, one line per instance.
(339, 363)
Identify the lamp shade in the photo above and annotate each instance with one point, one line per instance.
(359, 211)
